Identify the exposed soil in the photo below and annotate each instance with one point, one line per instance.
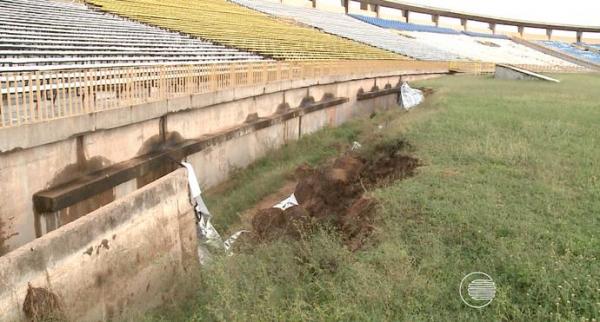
(427, 91)
(42, 305)
(246, 218)
(2, 247)
(335, 195)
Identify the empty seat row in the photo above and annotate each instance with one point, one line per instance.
(227, 23)
(46, 33)
(393, 24)
(471, 45)
(484, 35)
(348, 27)
(590, 53)
(489, 50)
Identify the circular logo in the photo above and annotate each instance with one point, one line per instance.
(477, 290)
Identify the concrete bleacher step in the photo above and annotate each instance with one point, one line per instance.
(556, 52)
(95, 60)
(44, 34)
(234, 25)
(471, 45)
(345, 26)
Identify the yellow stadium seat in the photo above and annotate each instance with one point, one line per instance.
(232, 25)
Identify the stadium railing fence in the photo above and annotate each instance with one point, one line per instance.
(38, 96)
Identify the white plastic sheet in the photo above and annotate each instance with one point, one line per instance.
(287, 203)
(410, 97)
(209, 238)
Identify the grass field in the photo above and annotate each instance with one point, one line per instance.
(510, 186)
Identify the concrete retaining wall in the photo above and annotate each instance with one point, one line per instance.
(68, 149)
(121, 259)
(515, 73)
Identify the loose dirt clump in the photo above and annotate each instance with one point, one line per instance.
(334, 195)
(389, 162)
(42, 305)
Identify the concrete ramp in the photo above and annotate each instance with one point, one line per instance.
(515, 73)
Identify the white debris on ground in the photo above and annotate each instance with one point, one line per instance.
(410, 97)
(209, 238)
(287, 203)
(356, 146)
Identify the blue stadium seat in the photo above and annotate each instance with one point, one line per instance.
(484, 35)
(391, 24)
(348, 27)
(573, 50)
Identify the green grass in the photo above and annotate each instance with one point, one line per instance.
(510, 187)
(268, 174)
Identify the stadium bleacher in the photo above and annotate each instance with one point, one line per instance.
(595, 46)
(471, 45)
(587, 52)
(345, 26)
(392, 24)
(484, 35)
(42, 33)
(227, 23)
(489, 50)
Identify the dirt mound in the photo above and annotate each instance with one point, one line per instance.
(42, 305)
(389, 162)
(334, 195)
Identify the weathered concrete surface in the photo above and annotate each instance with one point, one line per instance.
(330, 5)
(32, 135)
(514, 73)
(24, 172)
(121, 259)
(27, 171)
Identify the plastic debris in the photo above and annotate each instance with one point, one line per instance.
(209, 238)
(229, 242)
(356, 146)
(287, 203)
(410, 97)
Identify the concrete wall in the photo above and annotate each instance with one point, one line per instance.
(354, 8)
(514, 73)
(331, 6)
(70, 151)
(119, 260)
(507, 73)
(295, 3)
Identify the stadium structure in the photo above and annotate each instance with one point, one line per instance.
(98, 97)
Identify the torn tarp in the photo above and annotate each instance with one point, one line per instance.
(410, 97)
(208, 237)
(195, 192)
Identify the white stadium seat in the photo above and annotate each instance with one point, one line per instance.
(41, 33)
